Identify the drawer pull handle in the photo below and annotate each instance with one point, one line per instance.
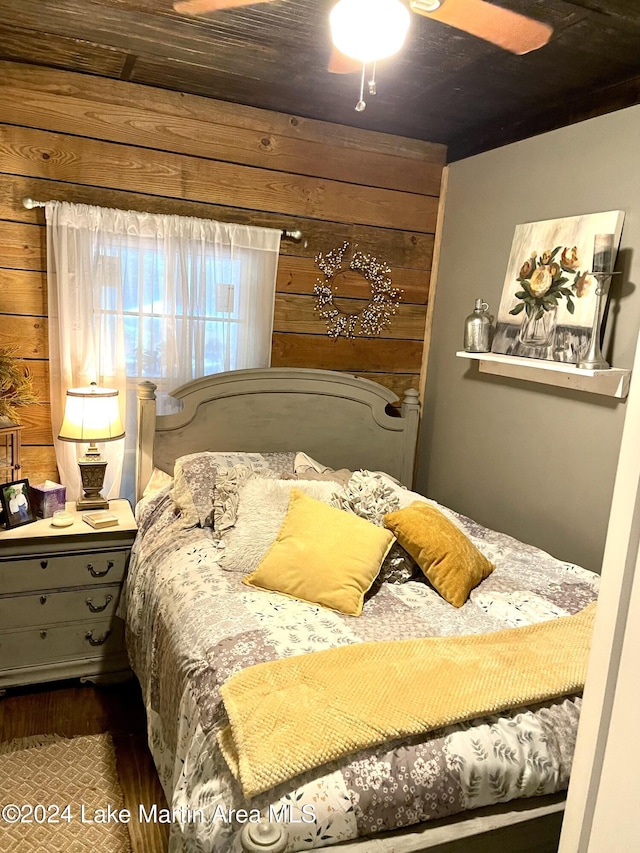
(43, 635)
(95, 574)
(43, 599)
(44, 564)
(97, 641)
(97, 608)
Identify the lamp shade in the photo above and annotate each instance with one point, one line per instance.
(369, 29)
(91, 414)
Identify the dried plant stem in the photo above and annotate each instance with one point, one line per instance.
(16, 386)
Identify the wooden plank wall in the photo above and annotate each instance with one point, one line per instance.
(79, 138)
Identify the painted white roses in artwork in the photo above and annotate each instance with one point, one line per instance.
(549, 278)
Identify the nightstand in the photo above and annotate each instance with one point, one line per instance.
(59, 589)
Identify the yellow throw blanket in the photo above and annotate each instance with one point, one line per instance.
(289, 716)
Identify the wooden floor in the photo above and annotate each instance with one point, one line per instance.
(68, 709)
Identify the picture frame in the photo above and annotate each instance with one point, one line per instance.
(549, 299)
(17, 508)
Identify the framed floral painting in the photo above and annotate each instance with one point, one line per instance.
(548, 300)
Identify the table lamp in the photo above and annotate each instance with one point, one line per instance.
(92, 414)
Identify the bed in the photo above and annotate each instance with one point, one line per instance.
(195, 629)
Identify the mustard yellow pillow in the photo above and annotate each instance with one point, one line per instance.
(323, 555)
(451, 562)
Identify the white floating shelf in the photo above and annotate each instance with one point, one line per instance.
(612, 383)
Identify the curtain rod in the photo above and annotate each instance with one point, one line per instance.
(294, 236)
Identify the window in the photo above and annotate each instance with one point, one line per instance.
(136, 296)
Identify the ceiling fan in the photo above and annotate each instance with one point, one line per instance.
(364, 31)
(506, 29)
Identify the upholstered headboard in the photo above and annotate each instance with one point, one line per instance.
(339, 419)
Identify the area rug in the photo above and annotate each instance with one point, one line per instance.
(52, 790)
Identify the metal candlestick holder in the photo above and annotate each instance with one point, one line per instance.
(592, 358)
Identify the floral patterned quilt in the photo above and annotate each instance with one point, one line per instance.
(191, 625)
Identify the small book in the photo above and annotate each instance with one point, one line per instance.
(102, 518)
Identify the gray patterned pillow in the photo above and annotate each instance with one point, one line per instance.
(399, 567)
(195, 479)
(371, 496)
(226, 495)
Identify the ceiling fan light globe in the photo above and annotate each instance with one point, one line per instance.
(368, 30)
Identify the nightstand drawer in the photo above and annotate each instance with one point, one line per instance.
(34, 646)
(49, 608)
(62, 570)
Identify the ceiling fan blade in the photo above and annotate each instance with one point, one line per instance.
(502, 27)
(340, 63)
(202, 7)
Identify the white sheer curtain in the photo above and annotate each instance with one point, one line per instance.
(137, 296)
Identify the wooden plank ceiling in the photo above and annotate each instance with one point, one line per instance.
(444, 86)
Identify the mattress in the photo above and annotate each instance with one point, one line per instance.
(191, 626)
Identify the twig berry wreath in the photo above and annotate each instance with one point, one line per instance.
(383, 304)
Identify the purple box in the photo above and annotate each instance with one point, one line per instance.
(47, 498)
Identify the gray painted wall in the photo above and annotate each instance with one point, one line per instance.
(531, 460)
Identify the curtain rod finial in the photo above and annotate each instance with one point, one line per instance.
(296, 235)
(30, 203)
